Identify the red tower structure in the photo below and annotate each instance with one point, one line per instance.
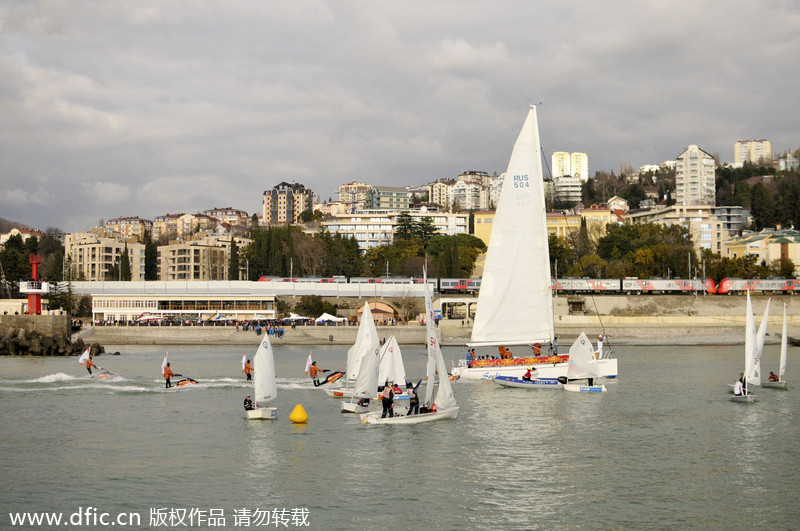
(33, 287)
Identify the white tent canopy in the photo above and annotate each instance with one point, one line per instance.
(328, 317)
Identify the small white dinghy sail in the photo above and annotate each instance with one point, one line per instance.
(443, 405)
(391, 365)
(366, 342)
(749, 354)
(582, 365)
(366, 385)
(781, 383)
(265, 386)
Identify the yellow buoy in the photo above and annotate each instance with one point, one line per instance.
(298, 415)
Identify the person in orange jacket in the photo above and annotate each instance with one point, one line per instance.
(167, 374)
(248, 369)
(314, 372)
(90, 364)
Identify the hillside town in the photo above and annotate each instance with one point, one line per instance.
(681, 192)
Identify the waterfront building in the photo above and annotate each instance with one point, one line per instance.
(372, 228)
(181, 301)
(128, 227)
(767, 245)
(694, 177)
(706, 229)
(285, 202)
(91, 257)
(387, 198)
(757, 151)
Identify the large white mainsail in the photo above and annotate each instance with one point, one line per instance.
(265, 386)
(515, 305)
(754, 377)
(366, 342)
(367, 382)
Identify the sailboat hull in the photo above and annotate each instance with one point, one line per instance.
(539, 383)
(605, 367)
(578, 388)
(264, 413)
(353, 407)
(375, 418)
(775, 385)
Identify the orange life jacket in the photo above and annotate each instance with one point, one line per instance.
(167, 373)
(247, 368)
(313, 371)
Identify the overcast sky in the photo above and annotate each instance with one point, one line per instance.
(120, 108)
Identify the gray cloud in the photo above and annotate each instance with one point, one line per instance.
(135, 108)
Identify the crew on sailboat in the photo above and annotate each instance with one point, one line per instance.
(470, 357)
(248, 403)
(772, 377)
(738, 388)
(600, 340)
(413, 399)
(387, 399)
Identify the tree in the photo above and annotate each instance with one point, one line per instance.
(233, 261)
(125, 264)
(150, 257)
(762, 207)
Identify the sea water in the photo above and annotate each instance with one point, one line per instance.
(664, 448)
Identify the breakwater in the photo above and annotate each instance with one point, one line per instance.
(39, 335)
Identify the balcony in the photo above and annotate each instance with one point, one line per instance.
(31, 287)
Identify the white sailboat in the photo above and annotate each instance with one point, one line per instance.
(265, 387)
(392, 368)
(582, 364)
(755, 375)
(366, 384)
(780, 383)
(441, 406)
(366, 343)
(515, 304)
(749, 354)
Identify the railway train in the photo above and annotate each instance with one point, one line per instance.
(627, 286)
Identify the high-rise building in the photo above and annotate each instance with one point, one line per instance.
(354, 193)
(579, 166)
(285, 202)
(562, 166)
(753, 151)
(694, 177)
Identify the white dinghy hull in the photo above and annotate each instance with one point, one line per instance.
(537, 383)
(375, 418)
(264, 413)
(775, 385)
(746, 399)
(580, 388)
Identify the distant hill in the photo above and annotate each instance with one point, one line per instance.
(6, 225)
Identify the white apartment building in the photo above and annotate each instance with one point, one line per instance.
(579, 166)
(181, 226)
(469, 196)
(567, 189)
(90, 257)
(562, 165)
(753, 151)
(694, 177)
(376, 228)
